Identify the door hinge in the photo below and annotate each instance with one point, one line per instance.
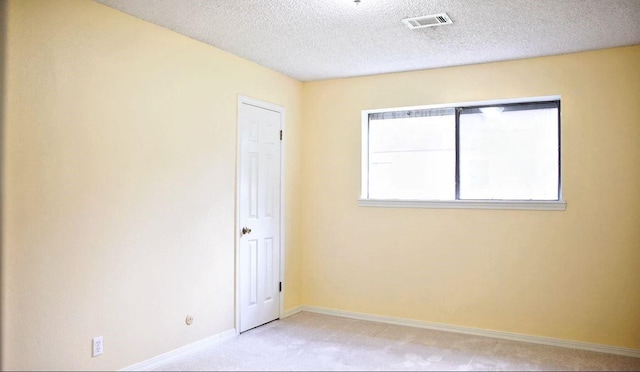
(280, 286)
(280, 135)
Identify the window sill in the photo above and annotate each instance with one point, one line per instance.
(551, 205)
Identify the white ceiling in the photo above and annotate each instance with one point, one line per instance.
(322, 39)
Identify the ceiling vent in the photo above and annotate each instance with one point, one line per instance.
(427, 21)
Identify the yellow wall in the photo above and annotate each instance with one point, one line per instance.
(569, 275)
(119, 193)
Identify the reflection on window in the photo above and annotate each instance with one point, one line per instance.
(412, 158)
(511, 155)
(496, 152)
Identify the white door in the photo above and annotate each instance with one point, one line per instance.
(259, 213)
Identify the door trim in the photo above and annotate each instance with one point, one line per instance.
(236, 233)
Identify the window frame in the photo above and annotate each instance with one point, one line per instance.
(365, 201)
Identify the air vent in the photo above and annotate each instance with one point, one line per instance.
(427, 21)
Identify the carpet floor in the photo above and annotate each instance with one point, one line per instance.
(309, 341)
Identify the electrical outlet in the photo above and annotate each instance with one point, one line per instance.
(97, 346)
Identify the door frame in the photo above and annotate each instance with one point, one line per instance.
(280, 109)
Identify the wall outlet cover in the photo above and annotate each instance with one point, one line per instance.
(97, 346)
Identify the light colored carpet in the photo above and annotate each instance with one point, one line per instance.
(310, 341)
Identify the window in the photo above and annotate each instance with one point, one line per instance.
(483, 154)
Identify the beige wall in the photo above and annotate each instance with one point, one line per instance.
(118, 208)
(569, 275)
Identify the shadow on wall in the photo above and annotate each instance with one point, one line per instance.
(3, 113)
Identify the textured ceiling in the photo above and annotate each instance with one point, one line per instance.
(321, 39)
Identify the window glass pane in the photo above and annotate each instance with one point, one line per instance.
(412, 158)
(510, 155)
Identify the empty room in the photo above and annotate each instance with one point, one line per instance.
(320, 185)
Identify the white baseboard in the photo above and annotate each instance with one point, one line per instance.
(474, 331)
(162, 359)
(292, 311)
(168, 357)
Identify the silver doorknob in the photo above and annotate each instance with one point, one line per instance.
(246, 230)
